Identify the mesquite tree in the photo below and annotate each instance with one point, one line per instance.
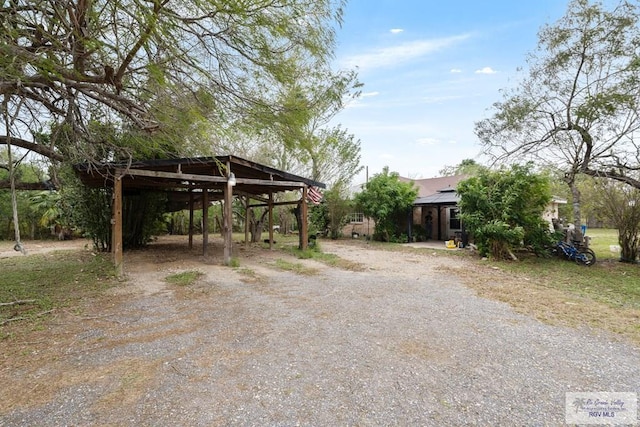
(76, 61)
(154, 66)
(579, 106)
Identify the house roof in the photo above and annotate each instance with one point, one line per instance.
(440, 198)
(436, 191)
(429, 186)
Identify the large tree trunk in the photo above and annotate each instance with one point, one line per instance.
(256, 225)
(577, 215)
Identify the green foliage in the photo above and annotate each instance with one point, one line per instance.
(465, 167)
(136, 72)
(388, 201)
(503, 210)
(90, 210)
(185, 278)
(578, 107)
(331, 214)
(622, 205)
(52, 281)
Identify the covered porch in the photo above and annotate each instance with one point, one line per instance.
(439, 215)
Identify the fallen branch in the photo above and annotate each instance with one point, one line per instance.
(13, 319)
(18, 302)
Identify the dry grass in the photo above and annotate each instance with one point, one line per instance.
(551, 297)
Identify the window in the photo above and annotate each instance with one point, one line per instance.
(454, 219)
(356, 218)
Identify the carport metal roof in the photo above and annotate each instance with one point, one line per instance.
(194, 173)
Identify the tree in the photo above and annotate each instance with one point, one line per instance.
(465, 167)
(309, 145)
(503, 209)
(622, 205)
(388, 201)
(80, 60)
(331, 214)
(577, 110)
(149, 72)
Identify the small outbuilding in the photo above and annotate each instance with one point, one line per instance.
(193, 183)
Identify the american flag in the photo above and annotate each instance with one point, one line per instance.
(314, 195)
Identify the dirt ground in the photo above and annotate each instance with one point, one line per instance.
(398, 339)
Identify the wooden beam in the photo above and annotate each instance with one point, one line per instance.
(304, 229)
(191, 201)
(270, 220)
(116, 231)
(208, 178)
(246, 221)
(264, 205)
(269, 183)
(205, 223)
(38, 186)
(174, 175)
(228, 224)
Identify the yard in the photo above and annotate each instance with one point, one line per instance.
(358, 333)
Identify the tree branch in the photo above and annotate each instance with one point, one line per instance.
(32, 146)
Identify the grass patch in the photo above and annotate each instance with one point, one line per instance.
(50, 282)
(605, 296)
(613, 283)
(249, 275)
(184, 278)
(315, 253)
(295, 267)
(601, 241)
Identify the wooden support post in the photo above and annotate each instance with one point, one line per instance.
(205, 222)
(190, 219)
(304, 229)
(246, 221)
(439, 221)
(270, 220)
(228, 224)
(116, 222)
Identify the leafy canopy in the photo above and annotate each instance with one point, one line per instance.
(578, 107)
(502, 209)
(388, 201)
(128, 61)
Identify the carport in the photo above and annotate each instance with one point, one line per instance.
(192, 183)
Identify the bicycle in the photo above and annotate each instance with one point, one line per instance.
(579, 254)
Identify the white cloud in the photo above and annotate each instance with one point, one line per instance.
(456, 70)
(395, 55)
(441, 99)
(427, 141)
(369, 94)
(396, 30)
(486, 70)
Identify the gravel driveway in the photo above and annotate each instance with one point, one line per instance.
(399, 343)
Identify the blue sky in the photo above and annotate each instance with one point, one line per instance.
(431, 69)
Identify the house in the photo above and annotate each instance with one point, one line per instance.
(551, 212)
(436, 215)
(435, 210)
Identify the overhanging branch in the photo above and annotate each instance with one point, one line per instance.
(612, 174)
(36, 148)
